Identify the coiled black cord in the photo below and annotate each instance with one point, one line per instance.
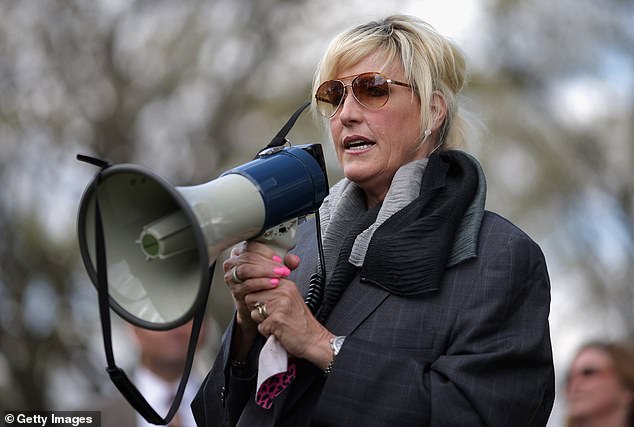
(315, 293)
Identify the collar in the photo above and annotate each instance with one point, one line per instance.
(345, 197)
(466, 241)
(159, 394)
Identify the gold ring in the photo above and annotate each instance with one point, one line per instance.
(234, 275)
(261, 308)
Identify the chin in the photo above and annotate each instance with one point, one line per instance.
(580, 411)
(357, 172)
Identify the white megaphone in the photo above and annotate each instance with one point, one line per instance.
(160, 240)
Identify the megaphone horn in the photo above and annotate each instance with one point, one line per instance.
(161, 239)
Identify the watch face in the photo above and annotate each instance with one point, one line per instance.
(337, 343)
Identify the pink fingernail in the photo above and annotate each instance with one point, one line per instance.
(282, 271)
(277, 259)
(275, 282)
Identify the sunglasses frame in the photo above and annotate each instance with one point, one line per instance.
(351, 86)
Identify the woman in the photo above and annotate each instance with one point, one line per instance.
(600, 386)
(435, 312)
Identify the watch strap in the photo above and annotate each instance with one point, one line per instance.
(335, 345)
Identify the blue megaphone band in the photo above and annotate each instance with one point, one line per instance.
(291, 181)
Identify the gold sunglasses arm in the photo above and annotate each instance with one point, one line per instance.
(395, 82)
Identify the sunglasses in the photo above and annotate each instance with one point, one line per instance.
(372, 90)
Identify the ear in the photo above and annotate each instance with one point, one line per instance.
(438, 107)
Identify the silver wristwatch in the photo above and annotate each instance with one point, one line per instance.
(335, 345)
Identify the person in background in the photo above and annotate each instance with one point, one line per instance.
(435, 311)
(161, 360)
(600, 386)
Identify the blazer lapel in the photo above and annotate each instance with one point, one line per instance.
(357, 302)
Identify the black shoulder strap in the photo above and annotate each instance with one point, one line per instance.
(117, 375)
(280, 139)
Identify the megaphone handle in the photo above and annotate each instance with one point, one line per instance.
(280, 238)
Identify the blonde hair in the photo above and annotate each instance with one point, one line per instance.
(431, 62)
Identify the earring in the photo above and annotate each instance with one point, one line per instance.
(425, 136)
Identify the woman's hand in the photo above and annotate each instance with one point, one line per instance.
(252, 267)
(256, 276)
(288, 318)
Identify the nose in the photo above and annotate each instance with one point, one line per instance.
(350, 108)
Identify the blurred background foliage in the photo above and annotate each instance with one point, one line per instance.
(190, 89)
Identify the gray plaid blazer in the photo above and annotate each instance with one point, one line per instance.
(476, 352)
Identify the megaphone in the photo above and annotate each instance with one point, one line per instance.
(160, 240)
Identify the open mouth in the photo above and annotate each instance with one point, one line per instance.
(357, 144)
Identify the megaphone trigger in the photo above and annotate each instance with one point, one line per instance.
(280, 238)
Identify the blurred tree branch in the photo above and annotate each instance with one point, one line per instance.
(157, 82)
(583, 166)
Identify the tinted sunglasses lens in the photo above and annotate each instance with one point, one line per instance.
(329, 96)
(371, 89)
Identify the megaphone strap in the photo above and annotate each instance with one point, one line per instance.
(117, 375)
(280, 139)
(103, 164)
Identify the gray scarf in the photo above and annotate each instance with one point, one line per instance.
(346, 202)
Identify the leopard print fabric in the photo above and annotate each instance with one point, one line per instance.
(274, 386)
